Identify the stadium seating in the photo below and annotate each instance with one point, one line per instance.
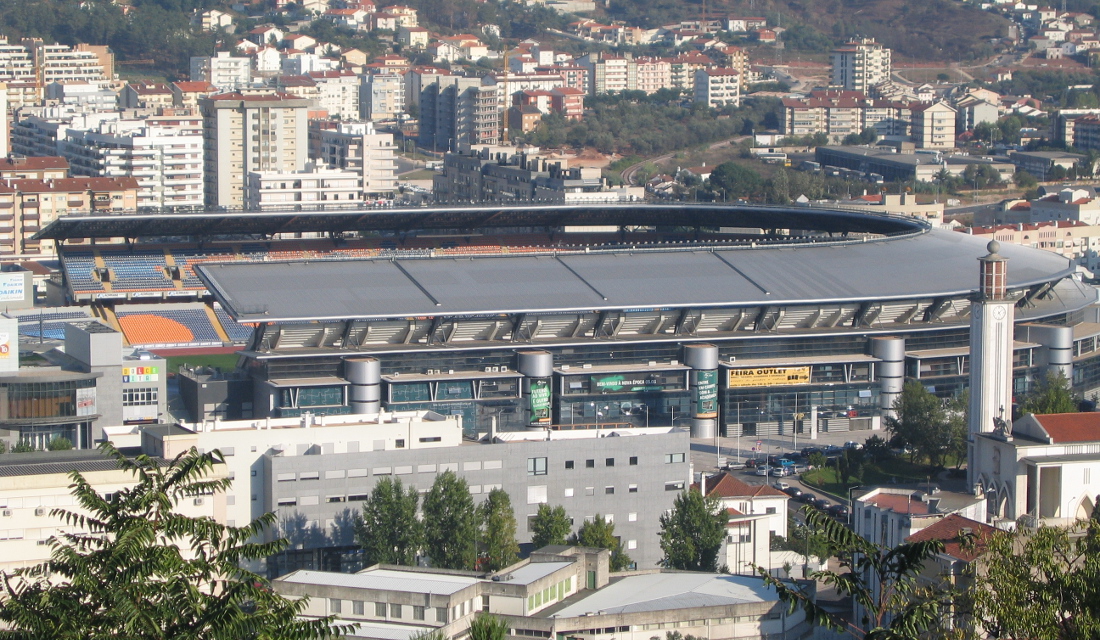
(138, 271)
(79, 266)
(237, 332)
(48, 325)
(168, 326)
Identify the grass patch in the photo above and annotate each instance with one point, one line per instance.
(224, 361)
(897, 471)
(419, 174)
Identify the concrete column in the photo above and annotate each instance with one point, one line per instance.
(703, 360)
(1057, 352)
(891, 370)
(537, 366)
(365, 376)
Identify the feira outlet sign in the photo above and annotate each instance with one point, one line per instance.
(539, 399)
(769, 377)
(704, 393)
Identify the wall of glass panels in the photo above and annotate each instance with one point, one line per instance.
(27, 400)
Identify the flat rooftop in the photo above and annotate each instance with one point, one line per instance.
(385, 579)
(673, 590)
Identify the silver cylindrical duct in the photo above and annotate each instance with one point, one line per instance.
(891, 370)
(535, 364)
(365, 376)
(703, 427)
(701, 356)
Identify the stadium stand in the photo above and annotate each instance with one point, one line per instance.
(237, 332)
(141, 270)
(48, 324)
(189, 326)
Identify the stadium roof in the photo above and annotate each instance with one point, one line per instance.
(927, 265)
(471, 217)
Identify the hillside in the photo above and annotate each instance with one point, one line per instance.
(941, 30)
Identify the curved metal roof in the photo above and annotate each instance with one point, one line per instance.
(925, 265)
(478, 217)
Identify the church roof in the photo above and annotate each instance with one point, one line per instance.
(1071, 427)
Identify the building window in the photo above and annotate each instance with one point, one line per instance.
(609, 462)
(441, 614)
(590, 491)
(418, 613)
(395, 611)
(674, 486)
(769, 510)
(590, 464)
(569, 464)
(536, 466)
(380, 609)
(399, 443)
(609, 491)
(357, 607)
(633, 488)
(671, 458)
(334, 605)
(633, 461)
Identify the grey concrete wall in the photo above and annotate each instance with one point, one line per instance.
(635, 510)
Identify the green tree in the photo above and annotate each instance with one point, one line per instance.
(920, 422)
(600, 534)
(486, 626)
(389, 531)
(693, 532)
(450, 523)
(549, 526)
(1050, 394)
(498, 534)
(737, 180)
(1025, 180)
(132, 566)
(958, 427)
(59, 444)
(1042, 584)
(883, 581)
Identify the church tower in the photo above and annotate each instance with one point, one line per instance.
(991, 334)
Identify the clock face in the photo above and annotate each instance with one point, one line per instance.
(999, 312)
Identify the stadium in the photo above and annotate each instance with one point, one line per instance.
(750, 320)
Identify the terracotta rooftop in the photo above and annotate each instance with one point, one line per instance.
(724, 485)
(194, 87)
(899, 503)
(1071, 427)
(950, 531)
(74, 184)
(34, 163)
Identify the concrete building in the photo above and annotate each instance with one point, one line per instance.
(1077, 205)
(653, 74)
(456, 111)
(717, 88)
(163, 153)
(146, 95)
(359, 148)
(224, 71)
(34, 168)
(609, 73)
(382, 96)
(559, 592)
(338, 93)
(1077, 241)
(311, 189)
(860, 64)
(756, 514)
(841, 113)
(247, 133)
(906, 204)
(1041, 163)
(187, 94)
(933, 126)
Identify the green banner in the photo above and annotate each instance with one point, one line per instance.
(625, 382)
(704, 393)
(539, 400)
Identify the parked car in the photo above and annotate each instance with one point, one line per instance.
(852, 444)
(793, 492)
(838, 511)
(782, 486)
(763, 470)
(807, 498)
(750, 463)
(820, 503)
(735, 466)
(780, 472)
(809, 451)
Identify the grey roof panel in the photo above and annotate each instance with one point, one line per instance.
(933, 264)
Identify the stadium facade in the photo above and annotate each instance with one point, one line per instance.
(750, 320)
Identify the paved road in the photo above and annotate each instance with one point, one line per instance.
(627, 174)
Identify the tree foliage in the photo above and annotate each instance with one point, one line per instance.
(134, 567)
(600, 534)
(450, 523)
(923, 423)
(488, 627)
(389, 531)
(1050, 394)
(1042, 584)
(883, 581)
(499, 548)
(693, 532)
(549, 526)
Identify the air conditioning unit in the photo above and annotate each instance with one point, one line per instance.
(6, 513)
(488, 369)
(197, 502)
(40, 511)
(504, 369)
(496, 369)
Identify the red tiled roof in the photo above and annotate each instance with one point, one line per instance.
(898, 503)
(35, 163)
(950, 530)
(194, 87)
(1071, 427)
(75, 184)
(729, 487)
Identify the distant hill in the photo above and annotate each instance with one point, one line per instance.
(940, 30)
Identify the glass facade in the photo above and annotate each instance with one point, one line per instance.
(40, 400)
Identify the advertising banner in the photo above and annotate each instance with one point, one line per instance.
(539, 401)
(85, 402)
(704, 393)
(11, 287)
(625, 382)
(140, 374)
(768, 377)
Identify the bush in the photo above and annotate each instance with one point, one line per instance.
(60, 444)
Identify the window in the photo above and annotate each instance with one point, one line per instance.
(569, 464)
(536, 466)
(395, 610)
(609, 462)
(357, 607)
(633, 488)
(590, 464)
(633, 461)
(609, 491)
(569, 492)
(418, 613)
(590, 491)
(441, 614)
(399, 443)
(671, 458)
(674, 486)
(334, 605)
(769, 510)
(380, 609)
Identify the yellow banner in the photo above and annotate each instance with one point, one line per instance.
(769, 377)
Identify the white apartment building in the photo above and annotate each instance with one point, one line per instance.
(61, 63)
(861, 64)
(164, 154)
(756, 513)
(338, 93)
(243, 133)
(608, 73)
(222, 70)
(654, 74)
(310, 189)
(357, 147)
(82, 94)
(382, 96)
(717, 88)
(933, 126)
(16, 62)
